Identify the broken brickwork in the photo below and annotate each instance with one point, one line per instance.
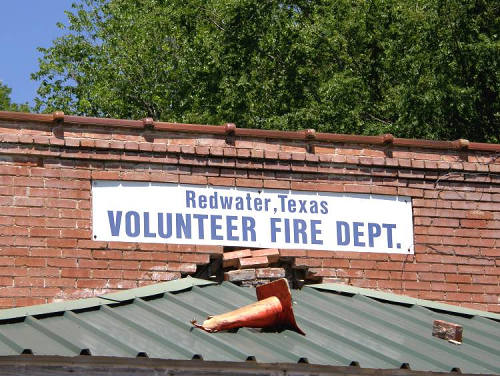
(47, 164)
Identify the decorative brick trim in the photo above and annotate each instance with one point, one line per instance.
(244, 132)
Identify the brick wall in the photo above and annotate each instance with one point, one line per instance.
(47, 163)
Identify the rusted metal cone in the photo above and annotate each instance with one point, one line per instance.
(272, 310)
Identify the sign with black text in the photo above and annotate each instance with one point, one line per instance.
(248, 217)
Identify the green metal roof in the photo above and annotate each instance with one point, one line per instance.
(342, 324)
(394, 298)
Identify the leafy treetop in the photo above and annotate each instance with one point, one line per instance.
(6, 103)
(422, 68)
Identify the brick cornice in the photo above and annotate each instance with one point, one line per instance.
(302, 135)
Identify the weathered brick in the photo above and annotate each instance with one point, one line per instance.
(253, 262)
(306, 263)
(447, 330)
(272, 254)
(230, 259)
(252, 183)
(239, 275)
(270, 273)
(195, 258)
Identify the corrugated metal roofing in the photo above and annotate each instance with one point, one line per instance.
(341, 327)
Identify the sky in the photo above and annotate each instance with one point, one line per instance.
(24, 26)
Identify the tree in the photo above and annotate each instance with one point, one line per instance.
(425, 68)
(5, 101)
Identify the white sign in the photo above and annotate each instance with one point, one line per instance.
(263, 218)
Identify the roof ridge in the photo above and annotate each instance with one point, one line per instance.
(114, 297)
(403, 299)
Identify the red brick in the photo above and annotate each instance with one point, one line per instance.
(361, 264)
(239, 275)
(29, 201)
(431, 295)
(105, 175)
(443, 268)
(486, 279)
(14, 291)
(350, 188)
(412, 285)
(319, 254)
(108, 255)
(407, 276)
(389, 284)
(459, 297)
(106, 274)
(16, 231)
(195, 258)
(270, 273)
(306, 262)
(252, 183)
(146, 247)
(384, 190)
(75, 273)
(93, 264)
(61, 243)
(44, 232)
(76, 233)
(321, 272)
(471, 269)
(292, 252)
(130, 265)
(272, 254)
(183, 248)
(30, 261)
(236, 254)
(43, 272)
(60, 282)
(447, 330)
(364, 283)
(458, 278)
(377, 274)
(390, 266)
(276, 184)
(45, 252)
(63, 263)
(472, 288)
(192, 179)
(438, 286)
(221, 181)
(319, 187)
(14, 251)
(164, 256)
(9, 211)
(28, 282)
(91, 283)
(253, 262)
(181, 267)
(77, 174)
(28, 301)
(114, 284)
(478, 214)
(431, 276)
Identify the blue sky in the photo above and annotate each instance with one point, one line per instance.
(24, 26)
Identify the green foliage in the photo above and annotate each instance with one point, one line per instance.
(5, 101)
(422, 68)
